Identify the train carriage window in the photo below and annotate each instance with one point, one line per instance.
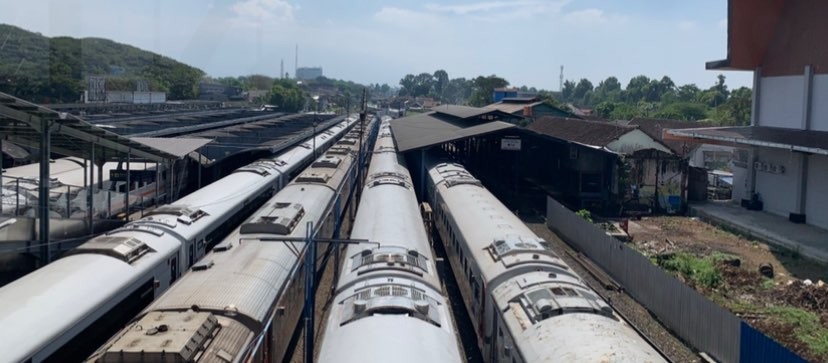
(173, 269)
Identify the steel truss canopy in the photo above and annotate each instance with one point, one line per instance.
(806, 141)
(21, 122)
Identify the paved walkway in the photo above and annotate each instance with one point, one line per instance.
(811, 242)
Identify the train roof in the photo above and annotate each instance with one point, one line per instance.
(499, 240)
(63, 294)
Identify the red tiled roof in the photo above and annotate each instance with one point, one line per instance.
(594, 133)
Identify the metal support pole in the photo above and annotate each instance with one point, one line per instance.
(310, 303)
(68, 191)
(422, 173)
(199, 168)
(16, 196)
(128, 186)
(91, 191)
(43, 195)
(1, 171)
(171, 174)
(336, 247)
(157, 181)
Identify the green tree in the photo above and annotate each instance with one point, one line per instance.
(637, 89)
(737, 109)
(683, 111)
(688, 93)
(441, 80)
(583, 87)
(286, 95)
(483, 89)
(423, 84)
(407, 83)
(568, 91)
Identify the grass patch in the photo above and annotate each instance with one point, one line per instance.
(807, 327)
(701, 270)
(767, 284)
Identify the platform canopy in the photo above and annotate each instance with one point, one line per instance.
(446, 123)
(21, 122)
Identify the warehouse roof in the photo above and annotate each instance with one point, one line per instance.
(435, 128)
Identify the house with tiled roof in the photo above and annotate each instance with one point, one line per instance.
(652, 174)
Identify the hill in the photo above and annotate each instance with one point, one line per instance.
(52, 70)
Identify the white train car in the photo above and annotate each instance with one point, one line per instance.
(525, 303)
(243, 301)
(66, 309)
(389, 305)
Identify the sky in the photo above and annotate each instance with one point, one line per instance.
(371, 41)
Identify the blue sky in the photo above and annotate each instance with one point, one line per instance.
(370, 41)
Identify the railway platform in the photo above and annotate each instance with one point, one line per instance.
(807, 240)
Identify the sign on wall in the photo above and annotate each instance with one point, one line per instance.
(511, 144)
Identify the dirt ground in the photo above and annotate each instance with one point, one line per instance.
(791, 306)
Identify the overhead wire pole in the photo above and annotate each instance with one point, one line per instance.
(310, 295)
(43, 194)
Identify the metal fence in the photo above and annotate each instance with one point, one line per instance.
(693, 317)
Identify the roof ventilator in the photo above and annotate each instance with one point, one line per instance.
(282, 219)
(391, 178)
(261, 167)
(391, 299)
(312, 177)
(328, 161)
(127, 249)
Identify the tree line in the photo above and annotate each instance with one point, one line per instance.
(642, 97)
(661, 98)
(55, 70)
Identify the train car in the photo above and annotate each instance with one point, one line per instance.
(243, 301)
(525, 302)
(66, 309)
(389, 304)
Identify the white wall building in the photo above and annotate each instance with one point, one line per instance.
(785, 162)
(306, 73)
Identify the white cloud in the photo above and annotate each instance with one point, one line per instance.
(500, 10)
(592, 17)
(404, 17)
(261, 12)
(686, 25)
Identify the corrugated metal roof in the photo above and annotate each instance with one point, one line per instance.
(178, 146)
(425, 130)
(21, 122)
(466, 112)
(790, 139)
(511, 107)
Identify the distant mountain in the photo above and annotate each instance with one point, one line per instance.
(51, 70)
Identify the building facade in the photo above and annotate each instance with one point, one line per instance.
(783, 162)
(308, 73)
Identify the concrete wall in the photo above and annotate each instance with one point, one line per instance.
(817, 189)
(819, 103)
(778, 191)
(781, 101)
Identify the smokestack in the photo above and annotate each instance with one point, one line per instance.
(296, 63)
(282, 70)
